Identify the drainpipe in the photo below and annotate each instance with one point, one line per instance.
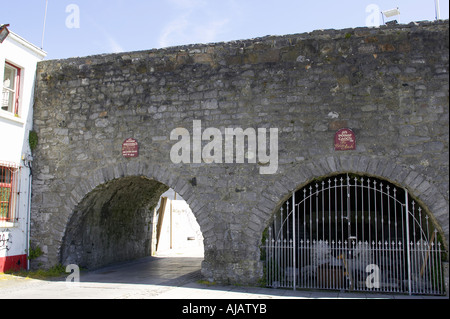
(27, 163)
(29, 219)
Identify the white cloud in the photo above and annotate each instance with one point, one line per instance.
(113, 44)
(173, 32)
(183, 4)
(196, 23)
(211, 30)
(105, 38)
(184, 31)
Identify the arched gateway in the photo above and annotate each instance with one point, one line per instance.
(355, 233)
(235, 128)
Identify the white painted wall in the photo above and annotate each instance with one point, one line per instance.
(187, 237)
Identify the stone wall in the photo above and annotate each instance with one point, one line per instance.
(388, 84)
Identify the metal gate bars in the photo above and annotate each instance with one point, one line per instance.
(353, 233)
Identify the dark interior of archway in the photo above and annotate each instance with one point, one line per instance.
(112, 223)
(352, 206)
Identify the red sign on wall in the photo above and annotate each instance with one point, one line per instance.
(130, 148)
(344, 140)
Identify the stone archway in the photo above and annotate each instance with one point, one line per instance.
(98, 192)
(419, 186)
(112, 223)
(329, 232)
(86, 107)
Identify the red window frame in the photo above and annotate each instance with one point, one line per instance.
(8, 190)
(16, 87)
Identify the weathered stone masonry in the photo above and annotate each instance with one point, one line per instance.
(388, 84)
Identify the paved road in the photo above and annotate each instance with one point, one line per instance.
(169, 277)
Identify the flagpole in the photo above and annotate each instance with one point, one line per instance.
(438, 11)
(43, 30)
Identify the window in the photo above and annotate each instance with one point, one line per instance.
(11, 86)
(8, 190)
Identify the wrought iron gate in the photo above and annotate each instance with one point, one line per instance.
(353, 233)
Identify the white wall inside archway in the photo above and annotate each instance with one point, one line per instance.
(180, 232)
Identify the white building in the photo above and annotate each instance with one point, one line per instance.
(18, 60)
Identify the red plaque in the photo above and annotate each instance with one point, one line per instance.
(344, 140)
(130, 148)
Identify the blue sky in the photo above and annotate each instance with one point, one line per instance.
(87, 27)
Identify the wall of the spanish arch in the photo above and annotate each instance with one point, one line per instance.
(389, 85)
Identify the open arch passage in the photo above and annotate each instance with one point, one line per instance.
(113, 223)
(177, 231)
(355, 233)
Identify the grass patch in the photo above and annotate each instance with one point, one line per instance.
(55, 271)
(206, 282)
